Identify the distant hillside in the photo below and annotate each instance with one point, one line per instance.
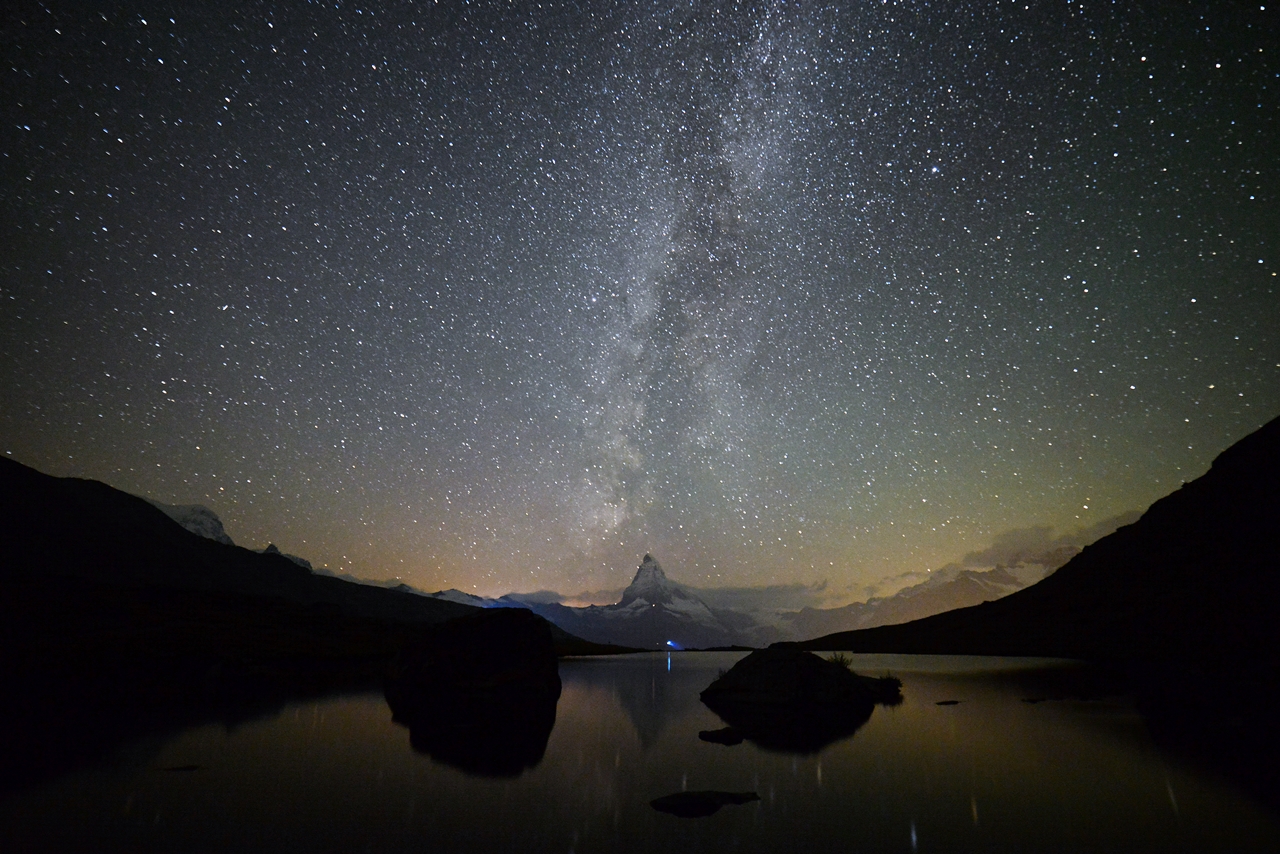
(64, 532)
(1194, 583)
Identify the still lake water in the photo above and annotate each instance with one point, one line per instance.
(992, 772)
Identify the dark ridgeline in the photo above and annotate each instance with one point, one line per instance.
(116, 622)
(1185, 601)
(63, 534)
(479, 692)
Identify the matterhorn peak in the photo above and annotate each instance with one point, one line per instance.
(650, 584)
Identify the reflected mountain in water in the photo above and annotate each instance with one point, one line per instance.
(654, 694)
(479, 693)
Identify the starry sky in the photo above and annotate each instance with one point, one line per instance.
(501, 297)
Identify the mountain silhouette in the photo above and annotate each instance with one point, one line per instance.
(63, 533)
(117, 622)
(1196, 580)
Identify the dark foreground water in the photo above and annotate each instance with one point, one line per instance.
(1071, 771)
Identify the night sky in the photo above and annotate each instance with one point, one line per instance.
(501, 298)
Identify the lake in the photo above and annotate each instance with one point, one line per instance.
(1032, 757)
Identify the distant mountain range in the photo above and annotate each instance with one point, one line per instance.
(655, 612)
(203, 522)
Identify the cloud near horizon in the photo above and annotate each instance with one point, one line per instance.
(1037, 544)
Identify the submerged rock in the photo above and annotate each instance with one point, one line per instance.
(791, 700)
(479, 693)
(728, 736)
(700, 804)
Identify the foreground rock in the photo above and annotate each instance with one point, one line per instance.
(479, 693)
(790, 700)
(700, 804)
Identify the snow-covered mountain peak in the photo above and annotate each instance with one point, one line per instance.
(652, 585)
(196, 518)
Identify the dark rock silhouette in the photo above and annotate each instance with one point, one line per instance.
(790, 700)
(479, 693)
(700, 804)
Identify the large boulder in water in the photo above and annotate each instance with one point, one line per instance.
(791, 700)
(480, 692)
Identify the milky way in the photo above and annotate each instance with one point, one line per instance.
(503, 298)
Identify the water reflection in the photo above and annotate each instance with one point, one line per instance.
(653, 689)
(700, 804)
(1075, 772)
(783, 733)
(56, 727)
(494, 735)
